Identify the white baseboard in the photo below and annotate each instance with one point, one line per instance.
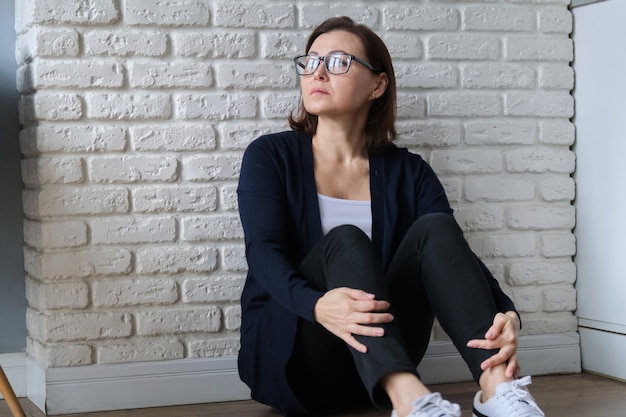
(14, 366)
(190, 381)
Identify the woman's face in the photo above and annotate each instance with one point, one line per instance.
(341, 95)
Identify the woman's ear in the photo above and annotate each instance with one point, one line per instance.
(381, 85)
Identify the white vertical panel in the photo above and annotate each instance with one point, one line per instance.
(600, 65)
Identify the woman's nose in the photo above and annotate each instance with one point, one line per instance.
(320, 71)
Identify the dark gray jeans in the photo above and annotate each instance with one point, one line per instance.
(433, 273)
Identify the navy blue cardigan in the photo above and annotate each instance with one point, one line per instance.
(281, 222)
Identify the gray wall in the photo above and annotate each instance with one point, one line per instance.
(12, 299)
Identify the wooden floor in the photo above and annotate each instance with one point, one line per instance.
(580, 395)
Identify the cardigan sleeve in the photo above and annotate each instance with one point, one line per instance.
(264, 210)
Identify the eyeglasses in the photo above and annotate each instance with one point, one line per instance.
(336, 63)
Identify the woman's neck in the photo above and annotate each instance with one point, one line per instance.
(341, 144)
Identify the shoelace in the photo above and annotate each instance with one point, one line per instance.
(436, 406)
(515, 399)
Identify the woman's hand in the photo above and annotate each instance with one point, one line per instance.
(346, 312)
(502, 335)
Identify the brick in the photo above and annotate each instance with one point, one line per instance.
(62, 295)
(237, 136)
(56, 43)
(133, 169)
(541, 217)
(83, 12)
(560, 298)
(170, 13)
(178, 199)
(177, 321)
(207, 44)
(465, 47)
(228, 198)
(77, 74)
(174, 260)
(60, 355)
(254, 15)
(500, 132)
(312, 15)
(54, 170)
(138, 292)
(211, 167)
(557, 132)
(403, 46)
(466, 161)
(76, 138)
(539, 49)
(210, 228)
(555, 245)
(555, 20)
(552, 323)
(535, 273)
(426, 75)
(279, 106)
(212, 289)
(539, 104)
(255, 75)
(234, 258)
(75, 201)
(141, 351)
(499, 189)
(130, 230)
(556, 76)
(421, 18)
(463, 104)
(429, 133)
(126, 43)
(498, 18)
(410, 106)
(526, 299)
(283, 45)
(504, 245)
(213, 347)
(538, 160)
(215, 106)
(173, 137)
(49, 106)
(232, 317)
(558, 189)
(128, 106)
(65, 266)
(496, 75)
(69, 327)
(170, 75)
(55, 234)
(480, 218)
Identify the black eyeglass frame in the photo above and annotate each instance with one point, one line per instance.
(324, 58)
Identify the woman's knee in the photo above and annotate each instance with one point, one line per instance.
(437, 224)
(348, 234)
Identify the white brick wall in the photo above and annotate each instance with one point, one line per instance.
(136, 114)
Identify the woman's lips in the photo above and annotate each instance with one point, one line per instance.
(318, 91)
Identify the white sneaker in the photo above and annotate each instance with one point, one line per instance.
(512, 399)
(432, 405)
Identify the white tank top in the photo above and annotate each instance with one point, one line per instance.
(336, 212)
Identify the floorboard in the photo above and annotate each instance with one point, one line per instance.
(579, 395)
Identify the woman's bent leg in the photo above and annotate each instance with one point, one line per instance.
(345, 258)
(435, 268)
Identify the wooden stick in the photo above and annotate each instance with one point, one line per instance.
(9, 396)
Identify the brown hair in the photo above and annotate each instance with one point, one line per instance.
(380, 127)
